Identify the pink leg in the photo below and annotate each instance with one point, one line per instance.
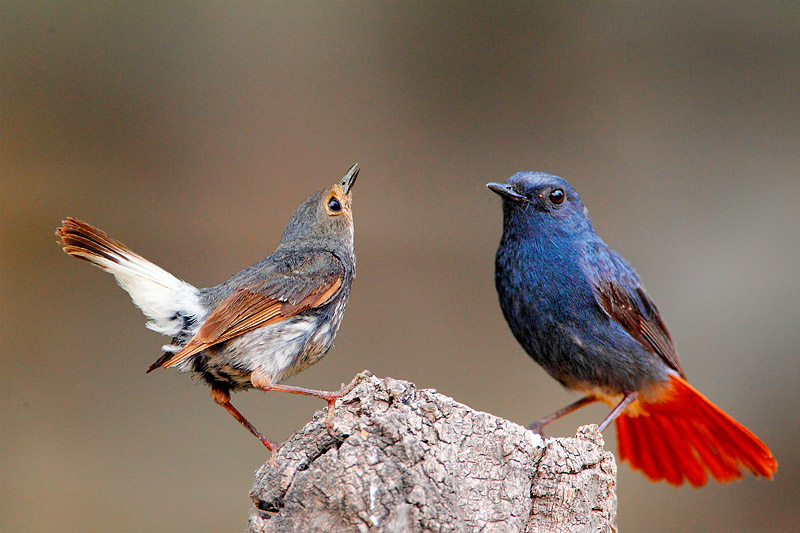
(223, 398)
(263, 382)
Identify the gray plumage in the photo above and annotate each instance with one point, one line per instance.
(264, 324)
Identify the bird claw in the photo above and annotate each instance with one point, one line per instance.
(343, 391)
(329, 417)
(537, 427)
(273, 458)
(361, 376)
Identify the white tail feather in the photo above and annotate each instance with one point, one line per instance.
(162, 297)
(169, 303)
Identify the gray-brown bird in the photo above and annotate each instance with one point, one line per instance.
(266, 323)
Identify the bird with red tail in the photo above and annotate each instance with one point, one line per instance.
(581, 312)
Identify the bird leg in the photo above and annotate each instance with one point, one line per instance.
(223, 398)
(262, 381)
(537, 426)
(626, 401)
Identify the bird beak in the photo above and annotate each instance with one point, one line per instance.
(506, 191)
(349, 179)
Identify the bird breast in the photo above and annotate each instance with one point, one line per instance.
(284, 348)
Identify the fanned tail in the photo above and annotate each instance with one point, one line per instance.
(685, 436)
(169, 302)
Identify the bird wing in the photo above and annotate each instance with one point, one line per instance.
(311, 283)
(618, 291)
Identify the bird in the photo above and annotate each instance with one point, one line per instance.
(581, 312)
(264, 324)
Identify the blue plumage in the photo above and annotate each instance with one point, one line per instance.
(549, 267)
(581, 312)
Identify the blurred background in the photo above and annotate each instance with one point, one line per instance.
(190, 131)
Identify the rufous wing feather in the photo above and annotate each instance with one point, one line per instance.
(639, 316)
(246, 310)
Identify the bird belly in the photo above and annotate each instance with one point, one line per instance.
(603, 367)
(651, 392)
(602, 359)
(275, 349)
(280, 350)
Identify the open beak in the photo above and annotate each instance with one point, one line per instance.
(349, 179)
(506, 191)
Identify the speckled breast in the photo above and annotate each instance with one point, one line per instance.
(281, 349)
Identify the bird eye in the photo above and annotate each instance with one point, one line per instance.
(334, 205)
(556, 196)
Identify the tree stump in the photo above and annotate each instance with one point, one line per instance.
(404, 460)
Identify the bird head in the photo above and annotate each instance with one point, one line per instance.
(542, 200)
(326, 215)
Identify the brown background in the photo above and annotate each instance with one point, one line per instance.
(191, 130)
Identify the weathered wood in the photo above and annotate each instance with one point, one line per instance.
(411, 460)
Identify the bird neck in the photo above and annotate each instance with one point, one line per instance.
(544, 236)
(552, 251)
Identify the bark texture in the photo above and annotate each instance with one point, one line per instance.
(407, 460)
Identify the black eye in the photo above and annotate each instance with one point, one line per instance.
(334, 205)
(556, 196)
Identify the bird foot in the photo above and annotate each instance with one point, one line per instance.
(273, 458)
(537, 427)
(345, 390)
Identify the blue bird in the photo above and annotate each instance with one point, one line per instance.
(582, 313)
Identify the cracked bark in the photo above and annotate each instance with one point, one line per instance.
(406, 459)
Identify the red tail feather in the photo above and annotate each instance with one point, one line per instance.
(685, 435)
